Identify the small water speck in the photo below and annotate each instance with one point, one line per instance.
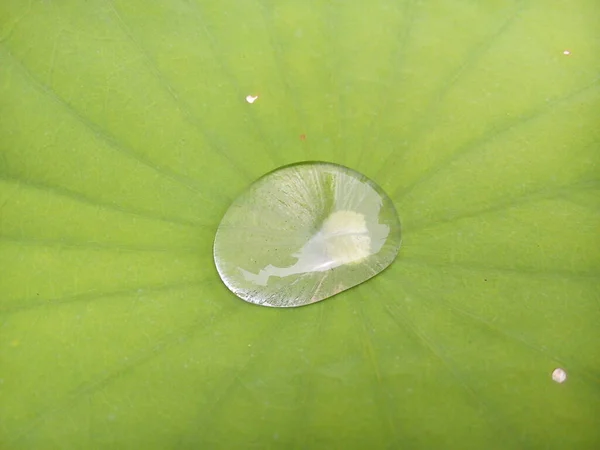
(559, 375)
(251, 98)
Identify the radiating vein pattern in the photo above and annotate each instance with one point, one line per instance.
(125, 136)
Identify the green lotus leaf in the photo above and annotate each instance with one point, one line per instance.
(125, 134)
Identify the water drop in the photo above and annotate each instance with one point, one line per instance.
(305, 232)
(559, 375)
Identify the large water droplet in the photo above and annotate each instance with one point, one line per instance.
(305, 232)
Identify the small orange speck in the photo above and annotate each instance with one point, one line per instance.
(302, 137)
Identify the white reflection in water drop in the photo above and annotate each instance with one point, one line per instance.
(343, 239)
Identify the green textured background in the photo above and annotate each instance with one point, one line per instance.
(124, 136)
